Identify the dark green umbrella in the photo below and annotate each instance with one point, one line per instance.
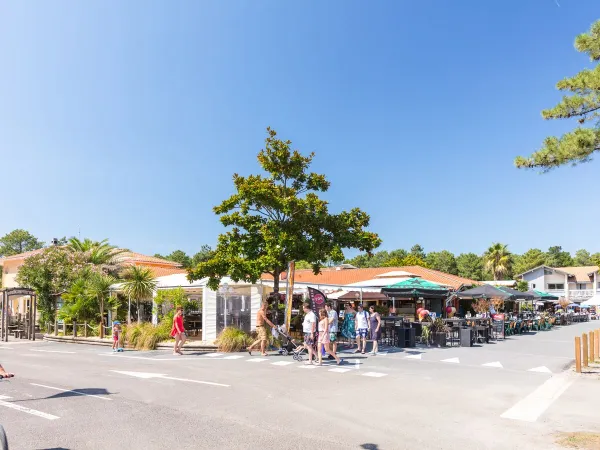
(541, 295)
(416, 287)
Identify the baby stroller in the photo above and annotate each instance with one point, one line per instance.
(288, 345)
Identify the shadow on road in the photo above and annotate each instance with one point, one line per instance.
(370, 446)
(73, 393)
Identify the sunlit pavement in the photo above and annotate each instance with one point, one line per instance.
(511, 393)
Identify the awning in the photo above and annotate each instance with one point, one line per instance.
(517, 295)
(484, 291)
(594, 301)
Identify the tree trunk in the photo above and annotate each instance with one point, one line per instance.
(139, 317)
(101, 332)
(276, 275)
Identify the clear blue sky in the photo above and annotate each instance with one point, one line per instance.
(126, 120)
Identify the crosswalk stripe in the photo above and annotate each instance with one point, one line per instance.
(282, 363)
(374, 374)
(234, 357)
(451, 360)
(308, 366)
(212, 355)
(256, 360)
(419, 356)
(339, 370)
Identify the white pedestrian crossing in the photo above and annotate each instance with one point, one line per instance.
(374, 374)
(282, 363)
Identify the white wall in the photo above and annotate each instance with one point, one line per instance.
(535, 277)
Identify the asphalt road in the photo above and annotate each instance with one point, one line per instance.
(511, 394)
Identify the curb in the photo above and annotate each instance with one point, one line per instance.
(108, 342)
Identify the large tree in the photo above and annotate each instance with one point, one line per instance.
(278, 217)
(469, 265)
(18, 241)
(138, 285)
(595, 259)
(497, 260)
(50, 273)
(443, 261)
(418, 251)
(582, 258)
(532, 258)
(583, 104)
(557, 257)
(203, 255)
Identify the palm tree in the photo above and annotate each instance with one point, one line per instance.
(139, 285)
(497, 260)
(98, 287)
(97, 253)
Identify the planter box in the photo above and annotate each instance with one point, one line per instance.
(439, 339)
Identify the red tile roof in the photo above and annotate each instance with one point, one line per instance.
(344, 277)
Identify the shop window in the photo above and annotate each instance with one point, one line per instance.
(556, 286)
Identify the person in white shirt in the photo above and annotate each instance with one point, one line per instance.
(332, 315)
(309, 326)
(362, 329)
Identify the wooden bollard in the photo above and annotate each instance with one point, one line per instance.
(592, 345)
(577, 354)
(584, 337)
(597, 343)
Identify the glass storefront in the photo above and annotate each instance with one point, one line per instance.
(233, 309)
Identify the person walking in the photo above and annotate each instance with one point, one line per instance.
(262, 340)
(362, 329)
(178, 331)
(309, 327)
(375, 319)
(332, 316)
(348, 330)
(4, 373)
(324, 341)
(116, 334)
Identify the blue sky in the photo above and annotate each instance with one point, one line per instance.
(126, 120)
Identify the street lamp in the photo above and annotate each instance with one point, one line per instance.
(225, 290)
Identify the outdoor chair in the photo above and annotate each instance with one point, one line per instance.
(452, 336)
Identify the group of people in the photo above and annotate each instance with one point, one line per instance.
(358, 327)
(361, 326)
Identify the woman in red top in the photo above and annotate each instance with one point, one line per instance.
(178, 332)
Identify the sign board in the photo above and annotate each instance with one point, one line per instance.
(11, 292)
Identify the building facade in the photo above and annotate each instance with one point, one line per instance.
(576, 284)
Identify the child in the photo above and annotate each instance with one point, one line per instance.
(116, 335)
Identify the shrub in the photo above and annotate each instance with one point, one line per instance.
(145, 336)
(232, 339)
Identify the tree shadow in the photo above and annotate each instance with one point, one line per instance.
(370, 446)
(100, 392)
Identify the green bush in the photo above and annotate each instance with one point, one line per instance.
(145, 336)
(232, 339)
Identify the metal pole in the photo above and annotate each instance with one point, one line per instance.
(34, 314)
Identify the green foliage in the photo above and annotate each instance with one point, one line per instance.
(176, 297)
(278, 218)
(412, 260)
(232, 339)
(418, 251)
(103, 256)
(443, 261)
(522, 286)
(530, 259)
(595, 258)
(469, 265)
(78, 304)
(578, 145)
(497, 259)
(18, 241)
(556, 257)
(50, 273)
(582, 258)
(204, 255)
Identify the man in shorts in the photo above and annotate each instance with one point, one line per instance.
(309, 327)
(261, 318)
(332, 316)
(362, 329)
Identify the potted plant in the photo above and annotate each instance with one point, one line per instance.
(438, 332)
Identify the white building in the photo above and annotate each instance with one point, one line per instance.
(574, 283)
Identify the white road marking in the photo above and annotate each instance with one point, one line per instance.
(282, 363)
(541, 369)
(72, 392)
(234, 357)
(533, 406)
(339, 370)
(33, 412)
(308, 366)
(49, 351)
(418, 356)
(147, 375)
(382, 353)
(256, 360)
(120, 355)
(2, 347)
(451, 360)
(374, 374)
(212, 355)
(494, 364)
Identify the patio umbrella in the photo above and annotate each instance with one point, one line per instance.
(594, 301)
(416, 287)
(517, 295)
(541, 295)
(484, 291)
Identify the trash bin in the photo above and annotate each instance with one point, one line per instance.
(466, 337)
